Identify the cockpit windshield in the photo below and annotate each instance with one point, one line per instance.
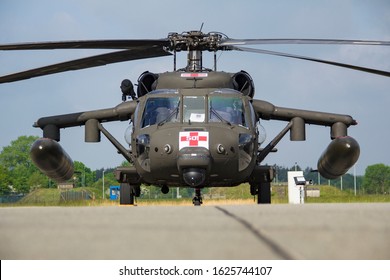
(212, 108)
(160, 110)
(194, 109)
(226, 109)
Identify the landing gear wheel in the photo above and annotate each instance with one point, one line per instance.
(128, 192)
(197, 200)
(264, 193)
(126, 198)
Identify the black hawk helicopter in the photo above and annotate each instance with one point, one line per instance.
(191, 127)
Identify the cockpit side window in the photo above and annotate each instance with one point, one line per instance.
(160, 109)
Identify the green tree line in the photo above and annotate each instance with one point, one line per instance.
(19, 175)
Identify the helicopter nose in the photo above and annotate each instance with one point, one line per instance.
(192, 163)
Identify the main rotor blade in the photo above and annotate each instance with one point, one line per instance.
(88, 62)
(354, 67)
(87, 44)
(238, 42)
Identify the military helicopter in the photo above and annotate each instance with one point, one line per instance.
(192, 127)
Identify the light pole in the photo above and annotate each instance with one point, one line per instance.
(103, 183)
(354, 179)
(276, 174)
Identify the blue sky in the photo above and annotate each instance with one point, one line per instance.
(281, 81)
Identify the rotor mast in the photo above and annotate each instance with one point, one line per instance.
(194, 61)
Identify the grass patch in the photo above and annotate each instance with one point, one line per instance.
(330, 194)
(56, 197)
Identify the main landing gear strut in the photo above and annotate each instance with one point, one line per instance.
(260, 183)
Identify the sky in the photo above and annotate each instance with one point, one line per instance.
(284, 82)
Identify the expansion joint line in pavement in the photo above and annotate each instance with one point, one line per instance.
(276, 248)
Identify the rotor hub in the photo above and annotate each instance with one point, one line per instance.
(195, 41)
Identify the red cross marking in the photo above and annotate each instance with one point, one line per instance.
(194, 139)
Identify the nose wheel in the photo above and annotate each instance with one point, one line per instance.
(197, 200)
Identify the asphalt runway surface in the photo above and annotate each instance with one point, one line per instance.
(308, 232)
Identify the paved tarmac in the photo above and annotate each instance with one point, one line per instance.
(310, 231)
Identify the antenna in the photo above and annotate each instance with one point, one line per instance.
(201, 27)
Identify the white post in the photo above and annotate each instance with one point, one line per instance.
(295, 193)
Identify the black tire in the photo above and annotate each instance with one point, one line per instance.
(264, 193)
(197, 201)
(126, 195)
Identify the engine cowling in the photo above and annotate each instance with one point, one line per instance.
(243, 82)
(341, 154)
(146, 83)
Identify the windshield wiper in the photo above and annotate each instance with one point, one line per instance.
(175, 111)
(212, 110)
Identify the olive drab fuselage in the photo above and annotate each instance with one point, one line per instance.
(212, 130)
